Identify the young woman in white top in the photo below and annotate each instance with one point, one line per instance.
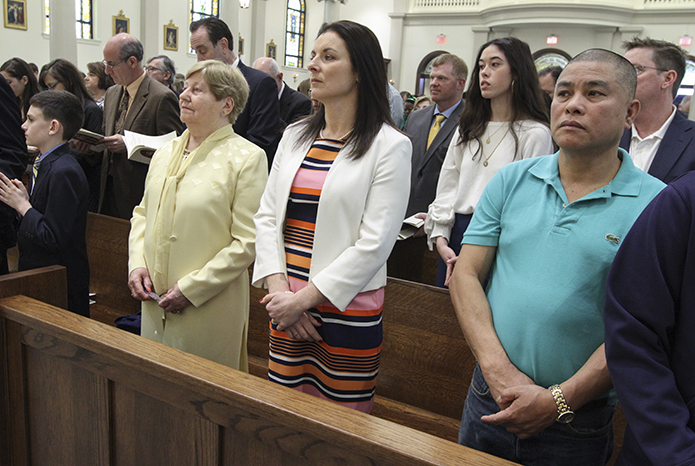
(505, 119)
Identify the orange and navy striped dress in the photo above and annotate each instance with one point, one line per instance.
(343, 367)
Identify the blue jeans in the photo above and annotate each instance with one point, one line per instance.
(586, 441)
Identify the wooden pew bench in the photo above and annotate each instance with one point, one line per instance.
(77, 392)
(426, 364)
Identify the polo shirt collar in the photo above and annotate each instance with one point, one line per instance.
(625, 183)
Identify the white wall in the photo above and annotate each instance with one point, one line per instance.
(465, 31)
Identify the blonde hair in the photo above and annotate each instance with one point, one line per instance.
(224, 81)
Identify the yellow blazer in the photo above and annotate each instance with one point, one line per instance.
(360, 212)
(212, 246)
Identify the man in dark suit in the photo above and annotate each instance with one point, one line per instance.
(53, 213)
(139, 104)
(13, 162)
(293, 104)
(431, 130)
(661, 141)
(260, 120)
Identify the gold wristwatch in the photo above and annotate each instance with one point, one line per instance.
(564, 414)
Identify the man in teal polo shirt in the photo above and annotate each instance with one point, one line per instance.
(548, 228)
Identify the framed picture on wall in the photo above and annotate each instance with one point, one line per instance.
(241, 45)
(271, 49)
(171, 36)
(15, 14)
(120, 23)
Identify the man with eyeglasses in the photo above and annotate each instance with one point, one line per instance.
(161, 68)
(137, 103)
(661, 141)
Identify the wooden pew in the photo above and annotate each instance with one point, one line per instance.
(426, 364)
(47, 284)
(107, 249)
(79, 392)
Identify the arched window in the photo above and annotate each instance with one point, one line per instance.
(83, 18)
(294, 40)
(200, 9)
(422, 80)
(551, 57)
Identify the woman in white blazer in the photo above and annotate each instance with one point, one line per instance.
(328, 220)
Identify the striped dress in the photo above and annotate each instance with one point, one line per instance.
(343, 367)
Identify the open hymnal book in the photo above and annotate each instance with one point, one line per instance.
(410, 226)
(91, 138)
(141, 147)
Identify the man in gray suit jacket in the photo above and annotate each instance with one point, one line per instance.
(661, 141)
(147, 108)
(447, 81)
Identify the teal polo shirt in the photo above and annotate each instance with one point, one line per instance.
(547, 286)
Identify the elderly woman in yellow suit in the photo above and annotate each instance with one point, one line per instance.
(192, 236)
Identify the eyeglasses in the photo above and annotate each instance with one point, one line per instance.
(50, 87)
(641, 68)
(111, 65)
(152, 69)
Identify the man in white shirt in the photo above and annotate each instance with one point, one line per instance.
(661, 141)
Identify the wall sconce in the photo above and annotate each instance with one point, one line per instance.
(685, 41)
(552, 39)
(244, 3)
(441, 38)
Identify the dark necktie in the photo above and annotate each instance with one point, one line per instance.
(122, 111)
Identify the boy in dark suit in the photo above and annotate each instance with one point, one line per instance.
(53, 213)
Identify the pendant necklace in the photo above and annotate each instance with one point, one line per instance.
(485, 164)
(489, 138)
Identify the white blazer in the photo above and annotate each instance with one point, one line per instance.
(360, 212)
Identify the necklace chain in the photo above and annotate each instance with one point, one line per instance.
(489, 138)
(485, 164)
(340, 138)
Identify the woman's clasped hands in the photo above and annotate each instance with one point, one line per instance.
(289, 314)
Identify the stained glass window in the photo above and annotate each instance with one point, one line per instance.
(203, 8)
(294, 40)
(83, 18)
(83, 13)
(200, 9)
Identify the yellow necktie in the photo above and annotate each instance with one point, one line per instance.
(435, 128)
(35, 172)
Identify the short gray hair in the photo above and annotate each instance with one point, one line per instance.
(131, 47)
(224, 81)
(167, 65)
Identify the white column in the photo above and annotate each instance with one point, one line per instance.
(151, 31)
(63, 36)
(229, 13)
(258, 33)
(627, 33)
(481, 35)
(395, 51)
(331, 11)
(604, 37)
